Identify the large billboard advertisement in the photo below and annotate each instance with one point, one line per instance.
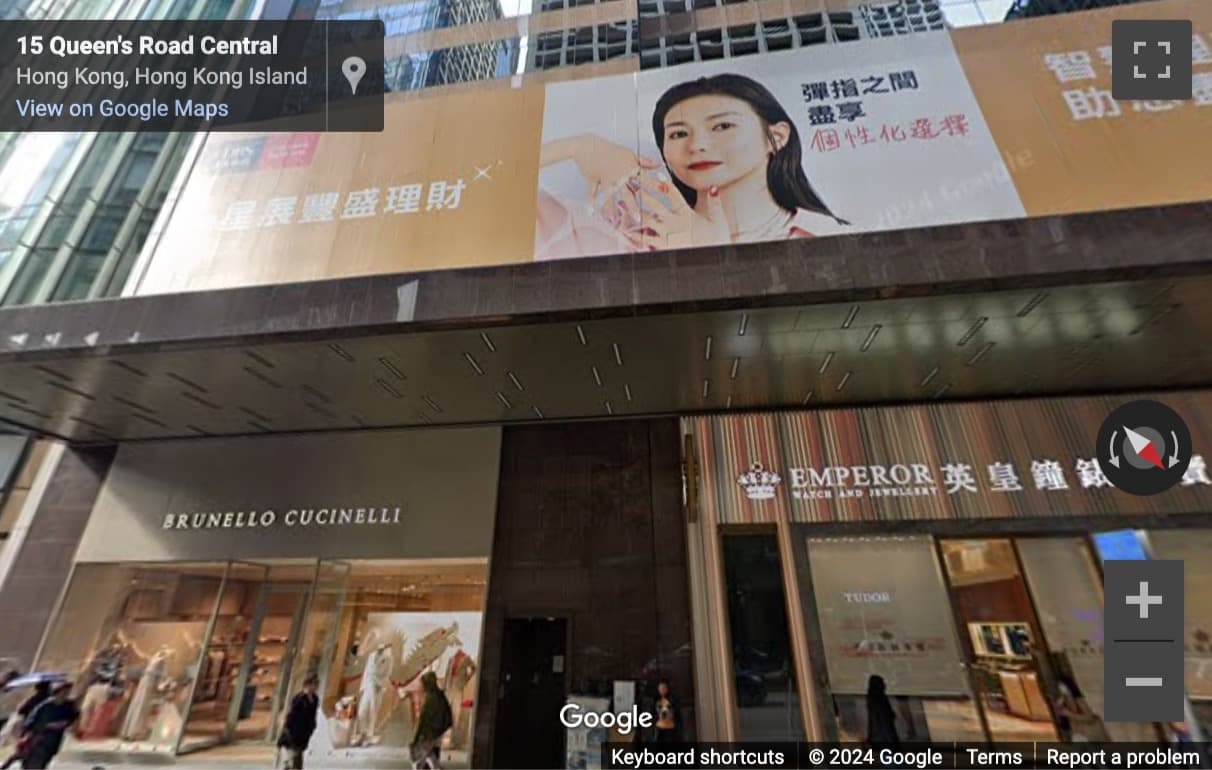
(936, 128)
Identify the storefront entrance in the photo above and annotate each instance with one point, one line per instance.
(216, 575)
(255, 659)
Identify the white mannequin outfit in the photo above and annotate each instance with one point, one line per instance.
(135, 724)
(376, 677)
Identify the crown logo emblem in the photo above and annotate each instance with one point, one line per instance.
(758, 482)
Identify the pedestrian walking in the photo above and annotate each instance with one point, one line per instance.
(881, 718)
(299, 725)
(46, 726)
(16, 724)
(435, 720)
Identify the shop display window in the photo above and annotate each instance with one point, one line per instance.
(882, 608)
(182, 657)
(131, 637)
(387, 625)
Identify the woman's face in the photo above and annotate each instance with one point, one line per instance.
(715, 141)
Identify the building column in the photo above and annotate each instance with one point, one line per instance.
(40, 554)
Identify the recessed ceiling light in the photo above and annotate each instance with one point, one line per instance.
(926, 380)
(488, 342)
(807, 398)
(474, 364)
(706, 387)
(387, 387)
(939, 393)
(609, 408)
(744, 325)
(597, 376)
(845, 378)
(514, 379)
(825, 364)
(389, 366)
(1027, 308)
(728, 403)
(618, 354)
(736, 364)
(342, 352)
(501, 397)
(870, 338)
(707, 349)
(432, 404)
(976, 327)
(627, 391)
(581, 335)
(980, 354)
(537, 412)
(850, 317)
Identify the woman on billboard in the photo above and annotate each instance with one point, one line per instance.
(732, 173)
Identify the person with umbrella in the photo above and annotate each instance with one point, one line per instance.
(41, 692)
(47, 725)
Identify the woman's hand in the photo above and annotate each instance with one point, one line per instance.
(675, 225)
(604, 164)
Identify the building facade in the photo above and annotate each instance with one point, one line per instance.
(450, 404)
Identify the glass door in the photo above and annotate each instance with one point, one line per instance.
(767, 696)
(289, 594)
(1067, 588)
(275, 599)
(218, 666)
(1003, 639)
(318, 640)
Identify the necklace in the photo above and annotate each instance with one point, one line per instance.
(773, 225)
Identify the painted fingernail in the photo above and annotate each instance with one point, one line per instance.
(663, 187)
(713, 191)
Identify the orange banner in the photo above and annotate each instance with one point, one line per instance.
(1044, 86)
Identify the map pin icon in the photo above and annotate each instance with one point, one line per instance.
(354, 68)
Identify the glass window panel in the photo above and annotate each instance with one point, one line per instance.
(768, 701)
(374, 628)
(891, 619)
(131, 637)
(1067, 589)
(1009, 664)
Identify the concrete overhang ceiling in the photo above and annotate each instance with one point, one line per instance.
(1088, 338)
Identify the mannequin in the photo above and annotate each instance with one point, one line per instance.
(459, 671)
(376, 677)
(135, 725)
(105, 676)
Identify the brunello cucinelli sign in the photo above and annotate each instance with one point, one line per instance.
(295, 517)
(418, 494)
(995, 459)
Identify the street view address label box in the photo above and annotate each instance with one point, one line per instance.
(191, 75)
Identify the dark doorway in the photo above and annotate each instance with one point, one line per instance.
(528, 732)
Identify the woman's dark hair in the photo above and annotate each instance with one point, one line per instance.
(876, 685)
(784, 172)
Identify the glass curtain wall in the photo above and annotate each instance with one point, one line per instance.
(76, 208)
